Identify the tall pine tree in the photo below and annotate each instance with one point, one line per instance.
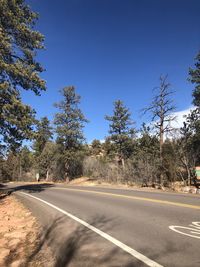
(121, 130)
(69, 128)
(42, 136)
(191, 129)
(194, 78)
(18, 69)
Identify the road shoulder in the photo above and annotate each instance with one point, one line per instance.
(20, 236)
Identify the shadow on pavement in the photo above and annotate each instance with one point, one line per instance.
(29, 188)
(78, 246)
(73, 246)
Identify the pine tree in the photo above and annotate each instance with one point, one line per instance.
(145, 159)
(194, 78)
(96, 147)
(42, 136)
(16, 120)
(47, 160)
(19, 43)
(69, 128)
(187, 152)
(121, 130)
(25, 157)
(18, 69)
(192, 123)
(191, 137)
(70, 121)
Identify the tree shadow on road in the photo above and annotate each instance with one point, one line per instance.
(29, 188)
(79, 246)
(166, 251)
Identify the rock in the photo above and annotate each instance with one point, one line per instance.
(186, 189)
(193, 190)
(190, 189)
(198, 191)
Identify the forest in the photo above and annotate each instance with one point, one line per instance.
(155, 154)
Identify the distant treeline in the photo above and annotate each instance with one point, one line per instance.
(156, 154)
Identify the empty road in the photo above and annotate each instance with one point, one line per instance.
(93, 226)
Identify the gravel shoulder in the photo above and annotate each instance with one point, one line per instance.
(20, 236)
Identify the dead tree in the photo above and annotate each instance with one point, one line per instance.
(161, 109)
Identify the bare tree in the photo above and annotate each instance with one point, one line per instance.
(162, 109)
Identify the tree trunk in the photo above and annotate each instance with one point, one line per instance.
(20, 169)
(189, 178)
(47, 175)
(161, 152)
(121, 161)
(185, 162)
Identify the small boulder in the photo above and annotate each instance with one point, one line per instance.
(193, 190)
(186, 189)
(198, 191)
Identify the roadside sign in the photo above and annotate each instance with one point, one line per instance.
(197, 171)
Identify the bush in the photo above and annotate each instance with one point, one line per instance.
(99, 169)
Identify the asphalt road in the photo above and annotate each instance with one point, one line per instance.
(140, 220)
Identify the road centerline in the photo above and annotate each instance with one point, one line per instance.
(165, 202)
(106, 236)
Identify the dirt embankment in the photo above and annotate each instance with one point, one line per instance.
(20, 236)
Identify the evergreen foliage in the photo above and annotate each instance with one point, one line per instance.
(42, 136)
(19, 43)
(18, 70)
(96, 147)
(151, 158)
(70, 120)
(69, 128)
(121, 130)
(194, 78)
(16, 120)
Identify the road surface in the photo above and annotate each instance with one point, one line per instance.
(117, 227)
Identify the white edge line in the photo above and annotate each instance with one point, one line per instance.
(113, 240)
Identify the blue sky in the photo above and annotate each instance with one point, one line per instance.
(115, 49)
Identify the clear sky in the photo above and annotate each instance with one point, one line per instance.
(115, 49)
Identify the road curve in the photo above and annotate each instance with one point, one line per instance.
(143, 221)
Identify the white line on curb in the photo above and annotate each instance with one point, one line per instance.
(113, 240)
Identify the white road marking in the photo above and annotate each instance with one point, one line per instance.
(192, 231)
(113, 240)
